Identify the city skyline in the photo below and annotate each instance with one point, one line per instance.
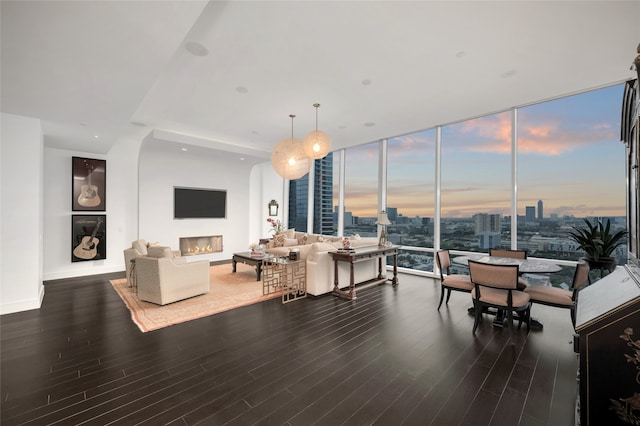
(561, 144)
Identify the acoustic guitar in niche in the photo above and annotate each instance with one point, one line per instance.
(89, 193)
(88, 247)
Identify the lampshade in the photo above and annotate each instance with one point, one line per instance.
(317, 143)
(383, 219)
(288, 158)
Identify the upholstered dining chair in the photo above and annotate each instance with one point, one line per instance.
(514, 254)
(448, 282)
(561, 298)
(496, 286)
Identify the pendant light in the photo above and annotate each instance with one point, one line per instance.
(288, 158)
(317, 143)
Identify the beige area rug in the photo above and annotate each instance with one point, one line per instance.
(228, 291)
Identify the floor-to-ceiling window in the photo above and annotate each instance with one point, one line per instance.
(361, 190)
(476, 184)
(410, 196)
(571, 166)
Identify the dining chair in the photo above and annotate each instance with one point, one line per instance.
(514, 254)
(448, 282)
(559, 297)
(496, 286)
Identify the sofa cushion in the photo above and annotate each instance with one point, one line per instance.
(290, 242)
(304, 251)
(317, 248)
(140, 246)
(159, 251)
(290, 233)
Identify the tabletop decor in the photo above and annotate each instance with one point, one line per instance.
(276, 226)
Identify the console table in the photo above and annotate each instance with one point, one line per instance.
(362, 254)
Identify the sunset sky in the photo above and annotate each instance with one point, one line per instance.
(570, 157)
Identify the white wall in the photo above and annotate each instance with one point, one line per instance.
(121, 210)
(35, 206)
(21, 214)
(164, 166)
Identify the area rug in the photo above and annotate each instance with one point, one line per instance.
(228, 291)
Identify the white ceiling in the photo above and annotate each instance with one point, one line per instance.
(120, 69)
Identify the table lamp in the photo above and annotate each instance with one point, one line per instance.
(383, 220)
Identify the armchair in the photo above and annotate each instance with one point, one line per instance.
(163, 279)
(138, 248)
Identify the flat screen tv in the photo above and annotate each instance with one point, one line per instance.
(199, 203)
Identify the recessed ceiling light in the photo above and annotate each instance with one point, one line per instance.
(196, 49)
(460, 54)
(369, 124)
(509, 73)
(138, 123)
(185, 149)
(241, 158)
(242, 89)
(366, 82)
(342, 127)
(255, 132)
(95, 136)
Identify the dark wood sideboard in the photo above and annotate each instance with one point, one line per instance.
(608, 341)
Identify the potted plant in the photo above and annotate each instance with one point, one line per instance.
(599, 243)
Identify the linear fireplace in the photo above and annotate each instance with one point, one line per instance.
(190, 246)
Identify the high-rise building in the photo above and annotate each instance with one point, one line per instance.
(530, 214)
(487, 222)
(323, 196)
(392, 214)
(322, 202)
(540, 215)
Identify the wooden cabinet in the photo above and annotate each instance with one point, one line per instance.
(608, 341)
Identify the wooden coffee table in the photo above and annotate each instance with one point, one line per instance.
(248, 259)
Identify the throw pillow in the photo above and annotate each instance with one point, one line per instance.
(278, 239)
(302, 240)
(291, 233)
(140, 246)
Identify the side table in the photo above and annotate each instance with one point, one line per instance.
(284, 275)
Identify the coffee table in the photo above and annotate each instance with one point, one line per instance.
(248, 259)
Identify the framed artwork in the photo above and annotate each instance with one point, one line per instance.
(88, 184)
(88, 237)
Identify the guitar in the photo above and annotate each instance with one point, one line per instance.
(88, 247)
(89, 193)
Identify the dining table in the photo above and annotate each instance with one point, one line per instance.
(525, 266)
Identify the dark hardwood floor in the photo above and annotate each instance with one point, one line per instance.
(388, 358)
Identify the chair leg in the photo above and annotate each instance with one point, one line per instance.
(573, 317)
(478, 312)
(448, 295)
(441, 297)
(510, 321)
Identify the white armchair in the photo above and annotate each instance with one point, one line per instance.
(138, 248)
(163, 279)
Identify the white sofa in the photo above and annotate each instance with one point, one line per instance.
(163, 279)
(314, 249)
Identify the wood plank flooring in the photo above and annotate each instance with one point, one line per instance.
(387, 358)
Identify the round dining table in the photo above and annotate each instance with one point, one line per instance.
(526, 266)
